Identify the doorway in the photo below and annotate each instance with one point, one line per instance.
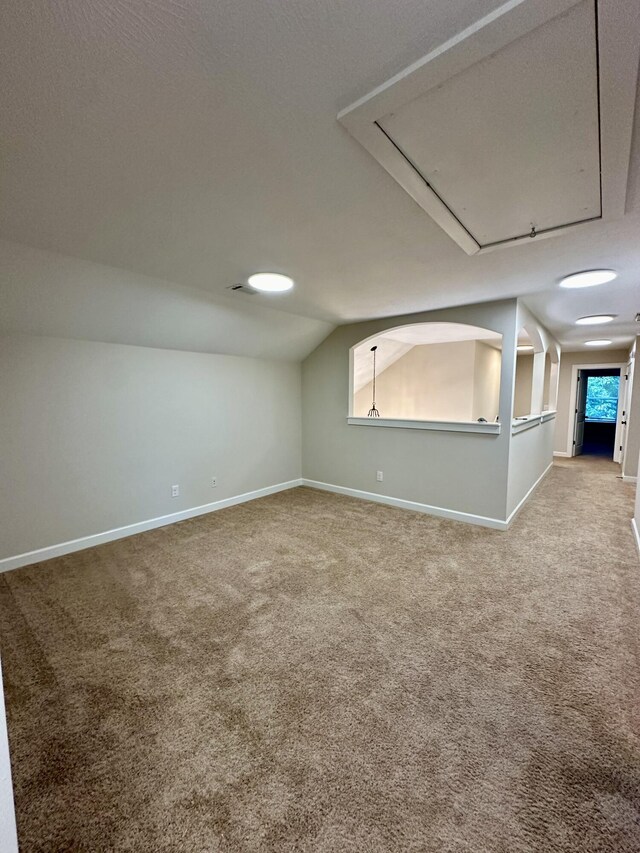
(597, 421)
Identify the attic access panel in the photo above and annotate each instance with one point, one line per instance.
(519, 126)
(513, 142)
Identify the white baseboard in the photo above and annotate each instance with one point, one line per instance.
(628, 479)
(441, 512)
(561, 453)
(59, 550)
(636, 533)
(63, 548)
(521, 503)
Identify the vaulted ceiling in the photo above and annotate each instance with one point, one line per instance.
(197, 142)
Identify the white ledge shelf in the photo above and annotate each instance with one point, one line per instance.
(521, 424)
(528, 421)
(442, 426)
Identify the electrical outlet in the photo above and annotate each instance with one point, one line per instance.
(379, 476)
(214, 482)
(175, 491)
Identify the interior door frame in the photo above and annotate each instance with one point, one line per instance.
(622, 367)
(580, 409)
(626, 405)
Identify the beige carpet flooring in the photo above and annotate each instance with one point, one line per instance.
(310, 672)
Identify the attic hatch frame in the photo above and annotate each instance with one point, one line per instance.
(618, 53)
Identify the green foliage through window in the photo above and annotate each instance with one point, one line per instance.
(602, 398)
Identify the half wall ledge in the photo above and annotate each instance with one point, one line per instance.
(528, 421)
(442, 426)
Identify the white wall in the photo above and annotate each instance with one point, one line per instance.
(530, 450)
(636, 516)
(523, 386)
(466, 472)
(94, 435)
(632, 449)
(546, 388)
(8, 838)
(531, 453)
(486, 382)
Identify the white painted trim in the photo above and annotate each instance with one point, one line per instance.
(548, 416)
(636, 534)
(350, 401)
(572, 403)
(521, 425)
(626, 405)
(521, 503)
(443, 426)
(562, 453)
(439, 511)
(63, 548)
(401, 503)
(629, 479)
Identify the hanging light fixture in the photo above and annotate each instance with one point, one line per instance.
(373, 412)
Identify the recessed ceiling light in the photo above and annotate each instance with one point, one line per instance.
(595, 319)
(588, 278)
(270, 282)
(597, 343)
(524, 347)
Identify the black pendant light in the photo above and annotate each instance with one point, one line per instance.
(373, 412)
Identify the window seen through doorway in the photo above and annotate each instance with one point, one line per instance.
(602, 399)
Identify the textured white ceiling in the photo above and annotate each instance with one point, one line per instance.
(197, 142)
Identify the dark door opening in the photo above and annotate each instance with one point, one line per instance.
(597, 411)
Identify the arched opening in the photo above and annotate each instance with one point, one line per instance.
(528, 390)
(524, 375)
(547, 381)
(550, 393)
(428, 372)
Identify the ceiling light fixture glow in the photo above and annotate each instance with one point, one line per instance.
(595, 319)
(270, 282)
(524, 348)
(602, 343)
(588, 278)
